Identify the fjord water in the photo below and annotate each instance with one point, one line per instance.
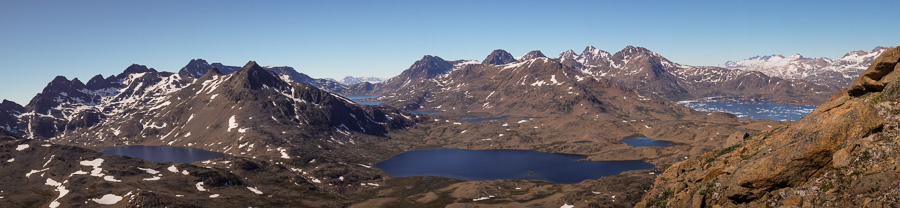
(163, 153)
(645, 142)
(503, 164)
(357, 98)
(751, 109)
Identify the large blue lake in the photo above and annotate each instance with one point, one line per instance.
(163, 153)
(751, 109)
(357, 98)
(504, 164)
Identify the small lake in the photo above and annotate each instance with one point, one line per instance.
(474, 118)
(163, 153)
(504, 164)
(645, 142)
(751, 109)
(357, 98)
(425, 112)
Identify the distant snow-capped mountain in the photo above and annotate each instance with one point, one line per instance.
(837, 72)
(652, 74)
(792, 67)
(350, 80)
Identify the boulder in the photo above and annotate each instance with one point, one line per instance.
(870, 80)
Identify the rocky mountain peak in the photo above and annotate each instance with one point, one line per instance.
(499, 57)
(430, 59)
(59, 79)
(632, 50)
(569, 54)
(136, 68)
(429, 66)
(251, 65)
(8, 104)
(593, 56)
(198, 62)
(195, 68)
(531, 55)
(96, 79)
(76, 81)
(591, 50)
(256, 76)
(212, 72)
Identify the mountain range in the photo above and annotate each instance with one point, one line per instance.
(633, 67)
(351, 80)
(838, 72)
(198, 67)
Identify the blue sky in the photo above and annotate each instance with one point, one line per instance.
(42, 39)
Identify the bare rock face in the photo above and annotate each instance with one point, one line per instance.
(499, 57)
(843, 153)
(531, 55)
(805, 149)
(869, 81)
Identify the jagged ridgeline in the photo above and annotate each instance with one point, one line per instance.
(843, 154)
(218, 110)
(636, 68)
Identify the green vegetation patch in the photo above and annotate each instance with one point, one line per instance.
(660, 199)
(723, 151)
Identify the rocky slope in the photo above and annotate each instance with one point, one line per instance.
(40, 174)
(843, 154)
(838, 72)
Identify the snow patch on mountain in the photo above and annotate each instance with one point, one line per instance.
(350, 80)
(821, 69)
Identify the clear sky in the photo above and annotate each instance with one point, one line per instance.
(42, 39)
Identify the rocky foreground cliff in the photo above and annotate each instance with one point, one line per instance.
(842, 154)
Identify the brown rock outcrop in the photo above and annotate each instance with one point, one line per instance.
(870, 80)
(843, 153)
